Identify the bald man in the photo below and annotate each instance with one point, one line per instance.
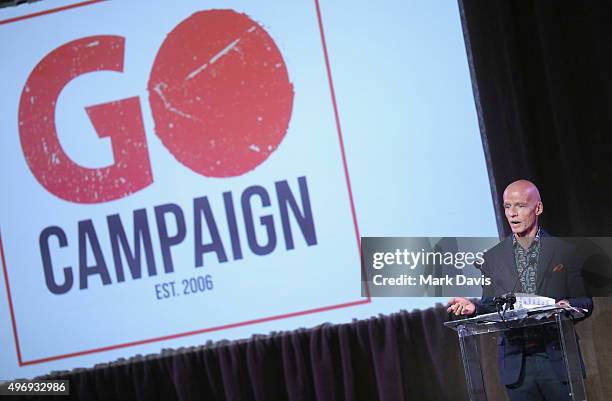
(529, 261)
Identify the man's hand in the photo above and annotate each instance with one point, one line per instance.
(564, 303)
(461, 306)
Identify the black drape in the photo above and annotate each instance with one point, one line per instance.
(400, 357)
(542, 78)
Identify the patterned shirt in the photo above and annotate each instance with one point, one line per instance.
(526, 261)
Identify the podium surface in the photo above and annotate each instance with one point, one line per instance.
(547, 330)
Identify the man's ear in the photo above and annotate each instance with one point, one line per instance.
(539, 208)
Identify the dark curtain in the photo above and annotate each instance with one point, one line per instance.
(542, 78)
(404, 356)
(400, 357)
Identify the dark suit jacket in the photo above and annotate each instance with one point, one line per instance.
(558, 276)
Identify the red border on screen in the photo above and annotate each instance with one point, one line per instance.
(365, 300)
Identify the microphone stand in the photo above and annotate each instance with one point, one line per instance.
(507, 300)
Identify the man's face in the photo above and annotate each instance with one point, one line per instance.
(522, 207)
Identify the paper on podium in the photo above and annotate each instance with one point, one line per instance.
(531, 301)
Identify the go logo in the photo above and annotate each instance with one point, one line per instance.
(219, 94)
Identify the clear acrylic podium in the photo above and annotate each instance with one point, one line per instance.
(556, 323)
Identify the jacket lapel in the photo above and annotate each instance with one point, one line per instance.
(508, 268)
(544, 265)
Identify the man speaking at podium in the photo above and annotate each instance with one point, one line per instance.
(530, 261)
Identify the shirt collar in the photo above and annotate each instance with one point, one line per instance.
(535, 240)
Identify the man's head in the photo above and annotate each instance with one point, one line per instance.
(523, 206)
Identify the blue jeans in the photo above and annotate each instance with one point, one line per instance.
(538, 381)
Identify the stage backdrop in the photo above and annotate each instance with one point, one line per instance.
(179, 172)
